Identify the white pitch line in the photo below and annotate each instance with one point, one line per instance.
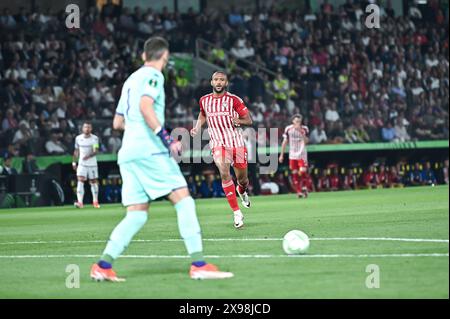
(235, 256)
(424, 240)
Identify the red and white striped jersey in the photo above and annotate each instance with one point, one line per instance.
(219, 112)
(296, 139)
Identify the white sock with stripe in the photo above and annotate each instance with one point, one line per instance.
(94, 190)
(80, 191)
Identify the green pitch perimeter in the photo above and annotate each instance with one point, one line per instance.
(349, 231)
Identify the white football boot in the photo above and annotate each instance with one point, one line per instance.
(244, 198)
(238, 219)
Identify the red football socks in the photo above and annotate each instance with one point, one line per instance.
(230, 193)
(242, 188)
(295, 180)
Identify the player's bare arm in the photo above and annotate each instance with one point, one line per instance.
(119, 122)
(147, 110)
(76, 154)
(243, 120)
(200, 121)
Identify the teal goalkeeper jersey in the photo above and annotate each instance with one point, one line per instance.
(139, 141)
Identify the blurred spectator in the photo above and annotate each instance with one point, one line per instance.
(336, 134)
(334, 180)
(394, 179)
(256, 87)
(259, 104)
(268, 186)
(280, 86)
(323, 183)
(428, 175)
(383, 176)
(388, 132)
(182, 83)
(11, 150)
(192, 185)
(217, 55)
(238, 84)
(331, 115)
(370, 178)
(257, 115)
(444, 172)
(7, 20)
(9, 122)
(401, 133)
(238, 51)
(7, 168)
(350, 180)
(22, 135)
(31, 83)
(112, 190)
(68, 143)
(415, 176)
(211, 187)
(356, 135)
(423, 132)
(29, 165)
(318, 135)
(54, 146)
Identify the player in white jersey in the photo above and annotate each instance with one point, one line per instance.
(297, 136)
(86, 147)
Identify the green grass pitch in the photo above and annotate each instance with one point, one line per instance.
(37, 244)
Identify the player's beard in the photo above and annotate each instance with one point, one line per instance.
(221, 90)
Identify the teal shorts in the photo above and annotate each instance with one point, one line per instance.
(148, 179)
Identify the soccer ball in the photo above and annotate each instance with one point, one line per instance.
(295, 242)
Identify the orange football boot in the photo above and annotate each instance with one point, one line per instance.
(208, 271)
(100, 274)
(78, 205)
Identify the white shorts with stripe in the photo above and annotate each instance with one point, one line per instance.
(88, 172)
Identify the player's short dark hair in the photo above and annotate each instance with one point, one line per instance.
(297, 115)
(87, 122)
(219, 71)
(155, 47)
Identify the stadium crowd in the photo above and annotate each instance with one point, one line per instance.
(352, 84)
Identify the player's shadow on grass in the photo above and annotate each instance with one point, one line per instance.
(158, 269)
